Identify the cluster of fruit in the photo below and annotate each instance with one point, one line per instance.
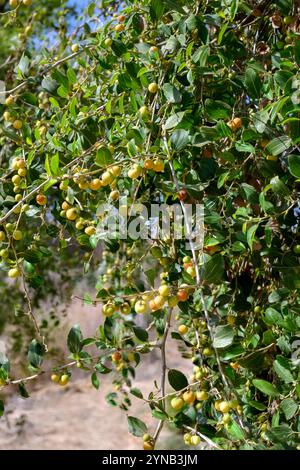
(60, 379)
(15, 3)
(122, 359)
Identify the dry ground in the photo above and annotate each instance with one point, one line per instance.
(77, 416)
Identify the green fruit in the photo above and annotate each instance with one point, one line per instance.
(156, 252)
(257, 309)
(177, 403)
(296, 249)
(17, 235)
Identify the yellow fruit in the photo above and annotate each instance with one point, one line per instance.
(148, 164)
(153, 49)
(115, 170)
(226, 418)
(187, 438)
(107, 178)
(17, 235)
(148, 446)
(22, 172)
(108, 309)
(172, 301)
(201, 395)
(17, 124)
(143, 111)
(135, 172)
(71, 214)
(189, 397)
(121, 18)
(9, 100)
(65, 206)
(114, 195)
(2, 236)
(20, 163)
(235, 124)
(108, 42)
(119, 28)
(158, 165)
(95, 184)
(159, 301)
(195, 440)
(224, 407)
(16, 179)
(90, 230)
(6, 116)
(55, 378)
(14, 272)
(41, 199)
(27, 3)
(140, 307)
(217, 404)
(207, 352)
(164, 290)
(13, 3)
(125, 309)
(177, 403)
(64, 380)
(183, 329)
(75, 48)
(153, 87)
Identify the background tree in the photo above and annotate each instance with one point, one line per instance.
(165, 102)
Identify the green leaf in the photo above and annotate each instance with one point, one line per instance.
(223, 336)
(257, 405)
(54, 164)
(297, 50)
(278, 145)
(22, 391)
(252, 82)
(35, 354)
(95, 381)
(140, 333)
(74, 339)
(136, 392)
(251, 235)
(212, 270)
(156, 9)
(171, 93)
(289, 407)
(282, 369)
(265, 387)
(217, 109)
(174, 120)
(136, 427)
(1, 408)
(279, 434)
(236, 431)
(23, 65)
(180, 139)
(294, 164)
(103, 157)
(200, 56)
(177, 379)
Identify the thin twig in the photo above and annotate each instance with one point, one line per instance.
(163, 372)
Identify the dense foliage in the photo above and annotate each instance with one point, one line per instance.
(167, 101)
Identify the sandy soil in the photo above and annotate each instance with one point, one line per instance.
(77, 416)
